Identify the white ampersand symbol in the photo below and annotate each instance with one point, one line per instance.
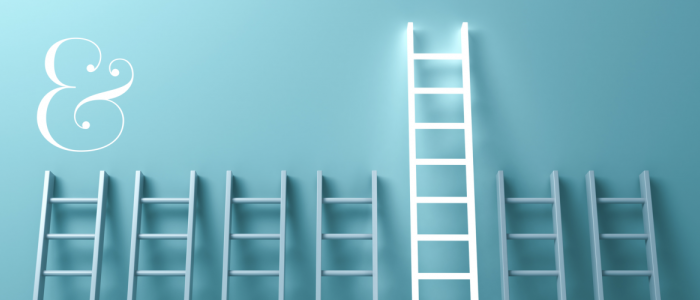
(104, 96)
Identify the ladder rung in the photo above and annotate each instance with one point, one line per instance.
(442, 200)
(258, 200)
(439, 125)
(74, 200)
(67, 273)
(255, 236)
(347, 272)
(347, 200)
(160, 273)
(441, 161)
(70, 236)
(626, 273)
(622, 200)
(166, 200)
(254, 273)
(445, 276)
(438, 91)
(346, 236)
(431, 56)
(530, 200)
(624, 236)
(443, 237)
(532, 236)
(163, 236)
(533, 273)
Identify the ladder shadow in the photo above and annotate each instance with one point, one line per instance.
(577, 249)
(204, 252)
(667, 239)
(117, 241)
(298, 240)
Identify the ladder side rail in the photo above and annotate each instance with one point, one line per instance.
(375, 240)
(469, 158)
(559, 242)
(648, 219)
(44, 229)
(319, 223)
(283, 230)
(99, 237)
(412, 161)
(190, 235)
(135, 242)
(227, 236)
(595, 234)
(503, 236)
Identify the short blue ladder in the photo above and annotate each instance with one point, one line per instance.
(137, 236)
(648, 236)
(228, 236)
(320, 236)
(556, 236)
(44, 236)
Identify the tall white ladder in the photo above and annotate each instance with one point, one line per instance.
(468, 162)
(45, 235)
(556, 236)
(228, 236)
(137, 236)
(320, 236)
(648, 236)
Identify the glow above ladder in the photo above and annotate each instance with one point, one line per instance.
(468, 162)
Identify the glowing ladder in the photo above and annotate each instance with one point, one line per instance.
(556, 236)
(320, 236)
(648, 236)
(228, 236)
(468, 162)
(45, 236)
(137, 236)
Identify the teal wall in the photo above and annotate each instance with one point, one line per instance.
(262, 86)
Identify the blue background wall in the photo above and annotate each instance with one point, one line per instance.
(262, 86)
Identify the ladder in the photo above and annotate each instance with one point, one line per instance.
(320, 236)
(556, 236)
(468, 162)
(45, 235)
(228, 236)
(137, 236)
(648, 236)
